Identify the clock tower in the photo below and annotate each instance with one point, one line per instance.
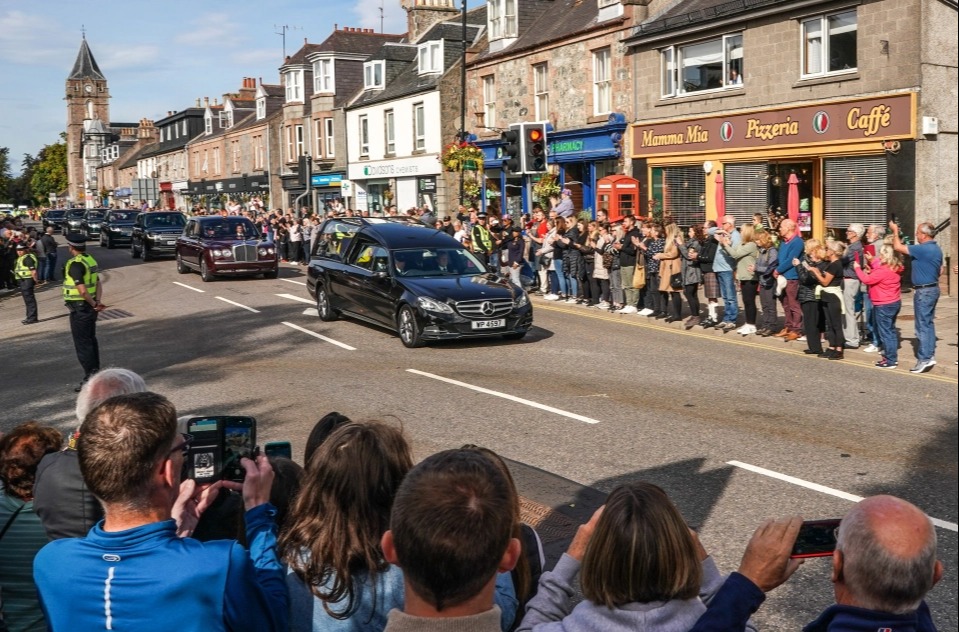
(87, 98)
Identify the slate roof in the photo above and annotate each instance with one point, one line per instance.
(273, 90)
(687, 13)
(299, 57)
(355, 42)
(85, 67)
(131, 160)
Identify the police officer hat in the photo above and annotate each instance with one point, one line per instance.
(77, 240)
(22, 245)
(481, 216)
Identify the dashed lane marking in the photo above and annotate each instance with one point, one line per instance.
(226, 300)
(292, 281)
(512, 398)
(951, 526)
(189, 287)
(293, 297)
(320, 336)
(311, 311)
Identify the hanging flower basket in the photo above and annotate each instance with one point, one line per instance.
(546, 187)
(471, 190)
(462, 157)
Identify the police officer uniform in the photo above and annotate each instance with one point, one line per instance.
(25, 272)
(82, 289)
(482, 241)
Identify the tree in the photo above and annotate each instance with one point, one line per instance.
(49, 171)
(4, 174)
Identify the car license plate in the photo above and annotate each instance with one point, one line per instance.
(126, 233)
(489, 324)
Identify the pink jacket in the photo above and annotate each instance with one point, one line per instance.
(884, 283)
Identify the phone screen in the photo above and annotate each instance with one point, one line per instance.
(278, 449)
(817, 538)
(204, 458)
(238, 442)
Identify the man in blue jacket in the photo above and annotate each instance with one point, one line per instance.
(137, 569)
(790, 248)
(883, 566)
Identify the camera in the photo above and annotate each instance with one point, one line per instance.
(219, 442)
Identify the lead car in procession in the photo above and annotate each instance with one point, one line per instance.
(224, 246)
(414, 280)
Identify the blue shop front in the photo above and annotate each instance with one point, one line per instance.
(583, 156)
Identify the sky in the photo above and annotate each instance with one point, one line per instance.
(157, 56)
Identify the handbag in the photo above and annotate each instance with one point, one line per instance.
(676, 281)
(608, 259)
(639, 276)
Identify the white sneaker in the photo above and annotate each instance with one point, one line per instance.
(747, 330)
(871, 349)
(551, 297)
(644, 312)
(603, 305)
(801, 339)
(571, 300)
(629, 309)
(923, 365)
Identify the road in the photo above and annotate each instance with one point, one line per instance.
(587, 401)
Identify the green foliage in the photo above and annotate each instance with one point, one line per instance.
(5, 175)
(49, 172)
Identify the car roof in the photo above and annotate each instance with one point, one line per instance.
(206, 219)
(404, 235)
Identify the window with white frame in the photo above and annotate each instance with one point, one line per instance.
(293, 81)
(364, 124)
(602, 82)
(206, 161)
(184, 128)
(328, 137)
(541, 91)
(208, 123)
(300, 140)
(226, 119)
(373, 74)
(489, 101)
(261, 108)
(715, 64)
(290, 156)
(389, 131)
(317, 138)
(607, 3)
(829, 44)
(430, 56)
(501, 18)
(258, 152)
(419, 127)
(323, 76)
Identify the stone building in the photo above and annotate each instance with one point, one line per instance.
(129, 142)
(837, 113)
(174, 131)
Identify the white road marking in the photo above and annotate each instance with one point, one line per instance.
(951, 526)
(321, 337)
(226, 300)
(512, 398)
(189, 287)
(292, 281)
(297, 298)
(311, 311)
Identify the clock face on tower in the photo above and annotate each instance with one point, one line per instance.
(88, 88)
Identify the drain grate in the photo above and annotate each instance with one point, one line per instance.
(551, 525)
(113, 314)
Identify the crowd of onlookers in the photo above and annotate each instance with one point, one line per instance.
(106, 534)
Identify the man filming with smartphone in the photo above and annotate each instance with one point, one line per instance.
(137, 569)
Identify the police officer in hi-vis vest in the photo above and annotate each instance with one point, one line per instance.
(25, 272)
(82, 290)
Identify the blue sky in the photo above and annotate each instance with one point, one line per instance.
(157, 56)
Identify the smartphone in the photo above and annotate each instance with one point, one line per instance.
(278, 448)
(219, 442)
(817, 538)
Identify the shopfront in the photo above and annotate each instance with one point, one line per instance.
(216, 194)
(583, 157)
(327, 188)
(826, 164)
(382, 183)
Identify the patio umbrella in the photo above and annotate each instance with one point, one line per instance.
(720, 197)
(792, 200)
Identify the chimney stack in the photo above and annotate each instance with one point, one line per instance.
(206, 102)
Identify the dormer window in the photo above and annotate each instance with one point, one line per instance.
(501, 15)
(323, 76)
(226, 119)
(293, 81)
(373, 72)
(261, 108)
(609, 9)
(208, 122)
(431, 57)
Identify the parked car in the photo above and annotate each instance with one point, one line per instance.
(155, 233)
(54, 217)
(92, 219)
(73, 220)
(228, 246)
(412, 279)
(117, 227)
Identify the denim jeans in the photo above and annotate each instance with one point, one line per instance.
(924, 304)
(869, 315)
(727, 287)
(51, 266)
(886, 330)
(562, 290)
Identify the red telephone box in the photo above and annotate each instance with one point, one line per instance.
(618, 195)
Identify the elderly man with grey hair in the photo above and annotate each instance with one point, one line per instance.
(883, 567)
(65, 506)
(851, 285)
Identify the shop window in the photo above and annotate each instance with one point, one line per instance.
(778, 175)
(829, 44)
(715, 64)
(746, 189)
(679, 194)
(855, 192)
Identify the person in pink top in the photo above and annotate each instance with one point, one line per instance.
(883, 283)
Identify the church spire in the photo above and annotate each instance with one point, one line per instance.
(85, 67)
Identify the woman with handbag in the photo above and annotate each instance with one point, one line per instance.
(671, 274)
(649, 297)
(745, 255)
(766, 263)
(692, 273)
(705, 257)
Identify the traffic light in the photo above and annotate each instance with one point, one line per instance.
(512, 154)
(534, 147)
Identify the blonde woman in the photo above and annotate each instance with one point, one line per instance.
(745, 255)
(829, 292)
(812, 317)
(670, 263)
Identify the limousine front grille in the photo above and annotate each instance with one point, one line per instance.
(244, 253)
(485, 308)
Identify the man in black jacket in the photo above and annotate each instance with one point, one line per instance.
(627, 263)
